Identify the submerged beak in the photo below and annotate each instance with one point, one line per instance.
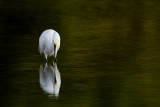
(55, 44)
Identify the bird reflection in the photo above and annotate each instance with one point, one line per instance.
(50, 79)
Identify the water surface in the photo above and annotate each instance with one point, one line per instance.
(109, 54)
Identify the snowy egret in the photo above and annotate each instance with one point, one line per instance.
(49, 43)
(50, 79)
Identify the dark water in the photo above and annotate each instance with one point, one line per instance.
(109, 54)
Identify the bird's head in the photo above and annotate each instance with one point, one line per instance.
(56, 38)
(56, 42)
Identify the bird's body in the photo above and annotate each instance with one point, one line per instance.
(49, 43)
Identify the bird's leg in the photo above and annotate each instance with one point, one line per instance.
(55, 60)
(46, 58)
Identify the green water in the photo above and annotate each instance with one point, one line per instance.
(109, 54)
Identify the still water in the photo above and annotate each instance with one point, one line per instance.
(109, 54)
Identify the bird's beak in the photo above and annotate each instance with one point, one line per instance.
(55, 44)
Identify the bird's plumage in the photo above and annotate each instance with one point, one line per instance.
(48, 40)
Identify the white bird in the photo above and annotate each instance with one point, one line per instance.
(50, 79)
(49, 43)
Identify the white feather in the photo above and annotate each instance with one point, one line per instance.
(46, 42)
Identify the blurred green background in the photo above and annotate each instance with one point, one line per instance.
(109, 54)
